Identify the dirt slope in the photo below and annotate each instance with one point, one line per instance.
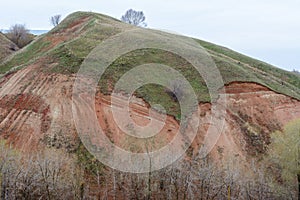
(42, 115)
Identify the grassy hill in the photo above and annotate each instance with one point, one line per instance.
(63, 49)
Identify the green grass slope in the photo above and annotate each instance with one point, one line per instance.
(64, 48)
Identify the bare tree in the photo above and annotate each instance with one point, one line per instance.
(45, 175)
(19, 35)
(55, 20)
(133, 17)
(53, 174)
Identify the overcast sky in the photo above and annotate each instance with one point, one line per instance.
(265, 29)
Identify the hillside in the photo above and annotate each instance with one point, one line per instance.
(36, 96)
(6, 47)
(69, 43)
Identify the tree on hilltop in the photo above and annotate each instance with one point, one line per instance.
(55, 20)
(133, 17)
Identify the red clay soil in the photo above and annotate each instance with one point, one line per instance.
(6, 77)
(27, 102)
(35, 106)
(139, 112)
(253, 113)
(24, 117)
(241, 87)
(76, 24)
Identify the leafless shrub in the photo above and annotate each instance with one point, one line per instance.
(19, 35)
(46, 175)
(53, 175)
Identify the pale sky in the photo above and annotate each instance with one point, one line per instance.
(265, 29)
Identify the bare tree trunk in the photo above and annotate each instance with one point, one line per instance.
(114, 184)
(3, 186)
(149, 174)
(149, 183)
(298, 177)
(81, 191)
(229, 192)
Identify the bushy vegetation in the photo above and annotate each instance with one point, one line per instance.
(284, 154)
(19, 35)
(50, 174)
(53, 174)
(89, 162)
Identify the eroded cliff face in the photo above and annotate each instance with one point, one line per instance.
(36, 111)
(253, 113)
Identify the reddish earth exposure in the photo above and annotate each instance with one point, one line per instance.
(36, 108)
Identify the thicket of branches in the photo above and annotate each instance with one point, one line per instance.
(47, 175)
(191, 179)
(55, 175)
